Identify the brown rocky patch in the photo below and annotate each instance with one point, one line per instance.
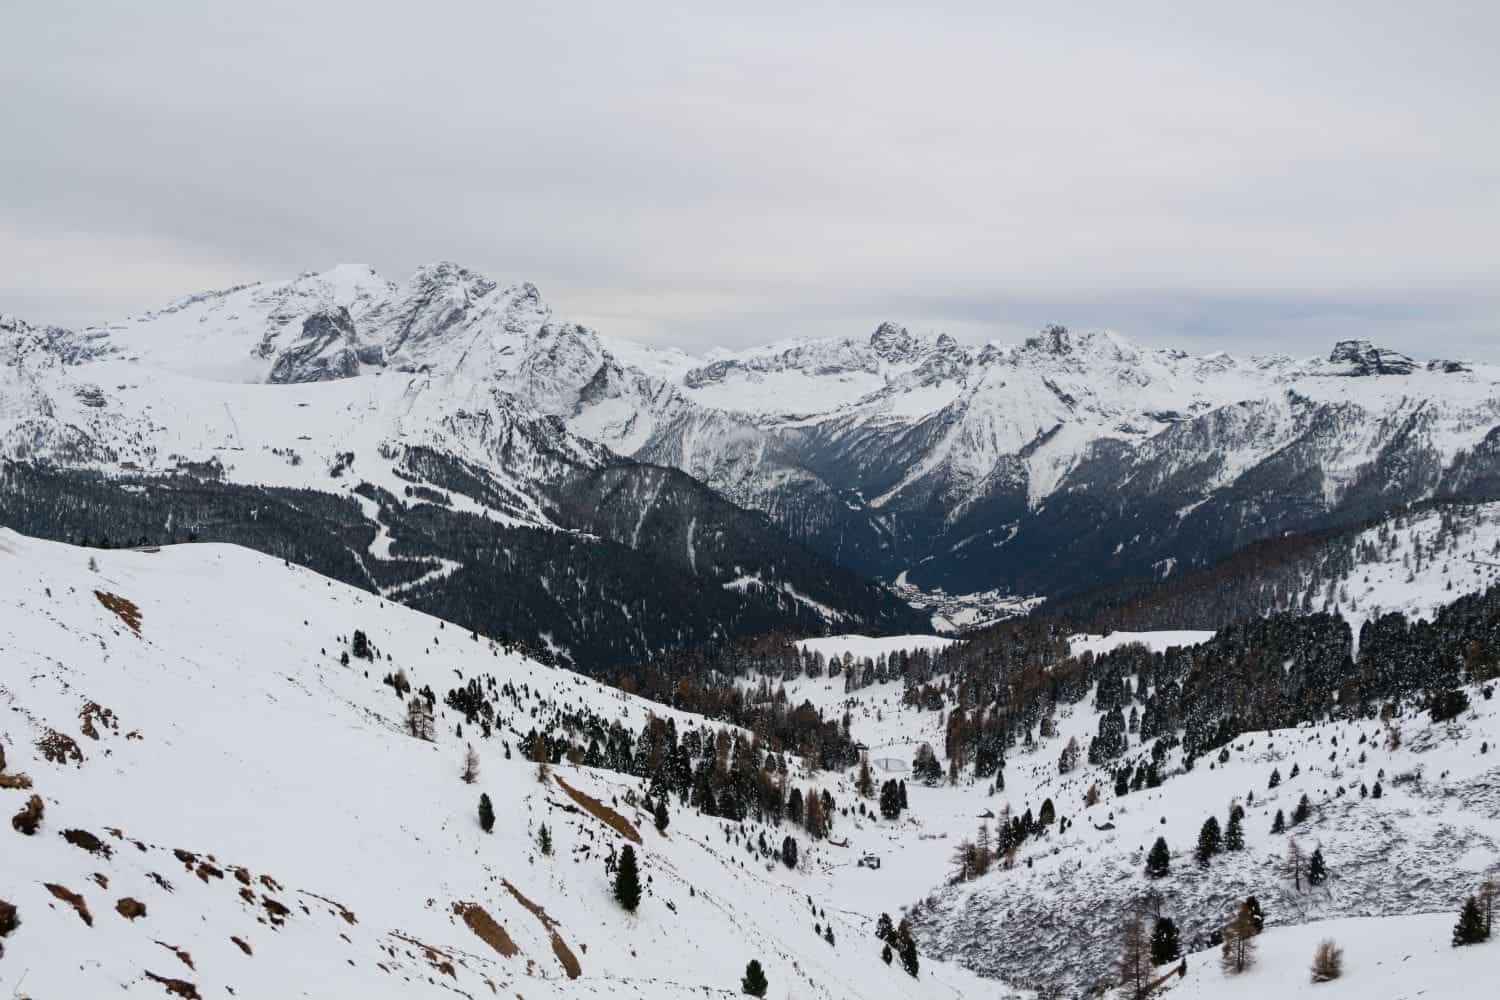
(15, 782)
(88, 842)
(131, 908)
(59, 748)
(242, 945)
(601, 812)
(123, 607)
(72, 899)
(177, 987)
(559, 946)
(488, 930)
(181, 953)
(30, 816)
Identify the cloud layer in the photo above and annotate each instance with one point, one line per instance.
(1213, 176)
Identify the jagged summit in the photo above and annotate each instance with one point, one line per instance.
(1364, 358)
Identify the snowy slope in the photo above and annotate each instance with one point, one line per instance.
(1394, 958)
(244, 784)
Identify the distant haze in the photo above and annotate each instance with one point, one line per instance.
(1247, 177)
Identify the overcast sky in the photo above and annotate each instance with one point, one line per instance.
(1237, 176)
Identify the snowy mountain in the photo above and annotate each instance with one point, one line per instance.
(402, 440)
(1043, 468)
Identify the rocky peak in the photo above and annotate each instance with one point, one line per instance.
(1364, 358)
(1053, 338)
(893, 343)
(327, 349)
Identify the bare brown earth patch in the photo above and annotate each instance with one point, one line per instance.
(89, 713)
(30, 815)
(130, 909)
(600, 811)
(489, 931)
(181, 953)
(124, 608)
(242, 944)
(559, 946)
(59, 748)
(72, 899)
(88, 842)
(340, 908)
(439, 959)
(15, 782)
(177, 987)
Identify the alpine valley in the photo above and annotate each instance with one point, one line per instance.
(400, 640)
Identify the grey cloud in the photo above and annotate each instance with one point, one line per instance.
(1208, 175)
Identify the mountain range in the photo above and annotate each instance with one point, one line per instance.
(428, 415)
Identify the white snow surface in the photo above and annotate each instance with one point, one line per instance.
(234, 734)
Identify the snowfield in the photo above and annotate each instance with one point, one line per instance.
(200, 748)
(240, 782)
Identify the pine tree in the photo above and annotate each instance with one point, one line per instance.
(1159, 861)
(1239, 941)
(865, 784)
(1275, 778)
(659, 814)
(1165, 946)
(1047, 814)
(1134, 963)
(1470, 926)
(1208, 841)
(486, 812)
(789, 852)
(1278, 825)
(906, 945)
(627, 880)
(1300, 814)
(890, 800)
(754, 983)
(1234, 834)
(1295, 865)
(885, 954)
(884, 929)
(1328, 962)
(1317, 871)
(471, 766)
(1257, 915)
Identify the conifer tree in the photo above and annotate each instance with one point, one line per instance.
(1278, 825)
(754, 982)
(1047, 814)
(1295, 864)
(906, 946)
(789, 852)
(627, 880)
(865, 784)
(1317, 871)
(884, 929)
(1300, 814)
(659, 814)
(471, 766)
(544, 839)
(1165, 946)
(1470, 926)
(1208, 841)
(1159, 861)
(890, 800)
(1234, 834)
(486, 812)
(1134, 964)
(1239, 941)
